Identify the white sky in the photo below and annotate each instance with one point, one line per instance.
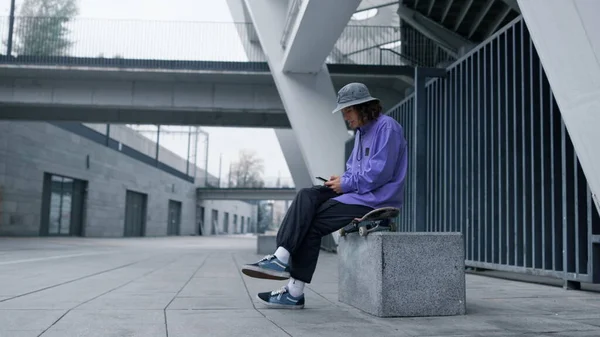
(172, 41)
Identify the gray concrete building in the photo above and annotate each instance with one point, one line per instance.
(67, 179)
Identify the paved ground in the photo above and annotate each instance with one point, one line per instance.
(191, 286)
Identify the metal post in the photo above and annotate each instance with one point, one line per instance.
(196, 154)
(229, 176)
(107, 134)
(187, 163)
(595, 257)
(157, 142)
(11, 26)
(220, 163)
(420, 138)
(206, 161)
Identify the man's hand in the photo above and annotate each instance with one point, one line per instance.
(335, 183)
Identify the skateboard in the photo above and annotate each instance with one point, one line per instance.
(376, 220)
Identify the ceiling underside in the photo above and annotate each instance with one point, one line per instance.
(471, 21)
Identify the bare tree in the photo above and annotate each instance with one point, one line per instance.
(247, 170)
(42, 28)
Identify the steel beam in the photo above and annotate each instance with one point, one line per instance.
(166, 116)
(498, 22)
(245, 193)
(446, 10)
(463, 13)
(513, 4)
(447, 39)
(480, 17)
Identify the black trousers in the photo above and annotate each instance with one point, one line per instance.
(312, 215)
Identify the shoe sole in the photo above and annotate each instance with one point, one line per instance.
(261, 273)
(280, 306)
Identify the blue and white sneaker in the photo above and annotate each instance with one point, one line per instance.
(269, 267)
(281, 299)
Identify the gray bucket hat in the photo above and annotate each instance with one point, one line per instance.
(351, 94)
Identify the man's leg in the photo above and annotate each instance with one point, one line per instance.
(293, 229)
(330, 217)
(300, 215)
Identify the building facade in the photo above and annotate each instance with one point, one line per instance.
(69, 179)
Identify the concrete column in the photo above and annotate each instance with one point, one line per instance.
(293, 157)
(286, 137)
(317, 28)
(308, 98)
(248, 36)
(566, 35)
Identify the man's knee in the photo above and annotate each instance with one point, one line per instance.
(308, 191)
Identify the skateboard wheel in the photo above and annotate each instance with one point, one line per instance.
(342, 232)
(362, 231)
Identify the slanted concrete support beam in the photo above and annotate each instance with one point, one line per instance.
(247, 33)
(566, 35)
(307, 98)
(286, 137)
(294, 158)
(447, 39)
(315, 31)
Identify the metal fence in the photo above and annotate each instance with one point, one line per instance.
(188, 45)
(490, 157)
(424, 51)
(183, 147)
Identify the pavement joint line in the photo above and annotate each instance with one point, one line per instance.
(106, 292)
(77, 279)
(251, 298)
(323, 297)
(182, 287)
(51, 258)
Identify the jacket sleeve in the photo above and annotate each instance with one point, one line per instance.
(379, 165)
(351, 158)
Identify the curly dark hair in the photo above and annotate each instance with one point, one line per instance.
(369, 111)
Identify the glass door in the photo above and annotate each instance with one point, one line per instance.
(63, 200)
(60, 206)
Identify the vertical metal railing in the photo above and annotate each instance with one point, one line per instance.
(403, 113)
(182, 44)
(500, 165)
(423, 50)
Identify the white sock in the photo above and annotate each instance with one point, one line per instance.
(282, 254)
(295, 287)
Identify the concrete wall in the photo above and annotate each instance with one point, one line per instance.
(28, 149)
(147, 146)
(239, 208)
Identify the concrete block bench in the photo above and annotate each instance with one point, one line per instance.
(392, 274)
(266, 244)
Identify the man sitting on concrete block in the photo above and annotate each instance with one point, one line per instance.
(374, 178)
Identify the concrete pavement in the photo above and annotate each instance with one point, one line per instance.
(192, 286)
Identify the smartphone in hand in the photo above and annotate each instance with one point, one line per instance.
(321, 178)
